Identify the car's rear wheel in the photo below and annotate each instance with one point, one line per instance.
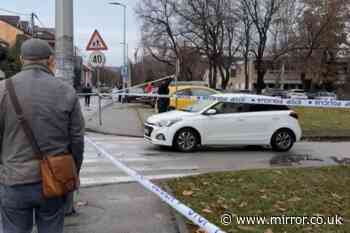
(186, 140)
(283, 140)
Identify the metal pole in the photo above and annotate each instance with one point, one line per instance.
(32, 22)
(176, 80)
(100, 109)
(65, 56)
(64, 41)
(98, 80)
(125, 61)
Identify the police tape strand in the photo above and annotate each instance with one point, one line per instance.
(170, 200)
(252, 99)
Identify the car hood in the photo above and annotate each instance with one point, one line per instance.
(169, 116)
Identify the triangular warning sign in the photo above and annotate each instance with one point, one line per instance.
(96, 43)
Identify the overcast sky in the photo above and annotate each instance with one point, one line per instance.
(89, 15)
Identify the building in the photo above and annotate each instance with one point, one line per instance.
(287, 75)
(11, 27)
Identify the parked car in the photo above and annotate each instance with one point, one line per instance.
(276, 93)
(324, 95)
(135, 98)
(106, 89)
(311, 94)
(188, 90)
(210, 123)
(297, 94)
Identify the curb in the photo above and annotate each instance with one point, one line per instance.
(111, 134)
(326, 138)
(179, 219)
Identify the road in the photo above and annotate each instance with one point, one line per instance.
(156, 163)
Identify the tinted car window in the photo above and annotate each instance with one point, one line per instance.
(263, 108)
(202, 92)
(228, 108)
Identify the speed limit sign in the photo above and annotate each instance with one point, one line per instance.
(97, 59)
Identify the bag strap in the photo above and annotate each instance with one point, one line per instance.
(20, 117)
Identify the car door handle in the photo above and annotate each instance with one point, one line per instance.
(241, 119)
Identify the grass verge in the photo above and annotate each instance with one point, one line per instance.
(321, 122)
(277, 192)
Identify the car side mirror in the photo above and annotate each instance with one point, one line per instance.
(211, 112)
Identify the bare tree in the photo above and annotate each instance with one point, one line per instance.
(321, 31)
(246, 38)
(232, 40)
(262, 14)
(159, 29)
(203, 28)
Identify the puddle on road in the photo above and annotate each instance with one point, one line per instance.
(293, 159)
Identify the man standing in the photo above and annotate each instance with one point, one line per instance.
(87, 90)
(53, 112)
(163, 102)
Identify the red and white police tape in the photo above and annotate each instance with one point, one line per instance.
(255, 99)
(170, 200)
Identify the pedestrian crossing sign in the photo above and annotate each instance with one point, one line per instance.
(96, 43)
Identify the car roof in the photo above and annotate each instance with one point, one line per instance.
(183, 87)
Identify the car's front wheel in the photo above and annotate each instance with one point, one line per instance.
(186, 140)
(283, 140)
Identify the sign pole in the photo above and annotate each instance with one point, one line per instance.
(98, 80)
(99, 95)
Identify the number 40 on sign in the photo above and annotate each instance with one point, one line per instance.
(97, 59)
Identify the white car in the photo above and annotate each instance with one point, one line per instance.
(323, 95)
(217, 123)
(297, 94)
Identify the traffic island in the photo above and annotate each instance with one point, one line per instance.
(121, 120)
(323, 124)
(294, 192)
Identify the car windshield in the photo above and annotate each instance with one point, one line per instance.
(198, 106)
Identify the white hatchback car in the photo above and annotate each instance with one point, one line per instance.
(297, 94)
(217, 123)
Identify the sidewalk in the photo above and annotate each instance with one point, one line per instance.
(120, 119)
(125, 208)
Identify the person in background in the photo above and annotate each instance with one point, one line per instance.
(120, 87)
(163, 102)
(53, 112)
(149, 88)
(87, 90)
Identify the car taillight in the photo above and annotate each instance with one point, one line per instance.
(294, 115)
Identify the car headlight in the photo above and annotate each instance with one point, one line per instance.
(168, 123)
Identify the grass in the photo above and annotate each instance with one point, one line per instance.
(320, 122)
(288, 192)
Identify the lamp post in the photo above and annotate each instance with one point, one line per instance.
(125, 84)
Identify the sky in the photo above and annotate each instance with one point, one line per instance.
(88, 16)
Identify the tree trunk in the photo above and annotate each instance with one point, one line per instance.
(215, 75)
(210, 76)
(246, 72)
(260, 85)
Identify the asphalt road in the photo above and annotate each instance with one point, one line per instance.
(157, 163)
